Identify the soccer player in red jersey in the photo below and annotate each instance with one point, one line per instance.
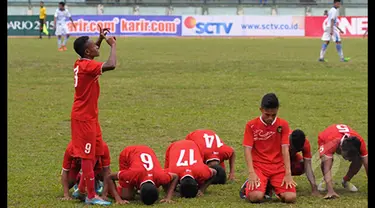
(215, 152)
(266, 145)
(185, 159)
(301, 164)
(86, 133)
(140, 170)
(71, 169)
(343, 140)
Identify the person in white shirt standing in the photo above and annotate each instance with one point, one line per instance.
(332, 31)
(61, 29)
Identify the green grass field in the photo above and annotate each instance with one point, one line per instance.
(164, 88)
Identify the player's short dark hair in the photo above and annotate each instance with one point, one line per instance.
(351, 146)
(297, 139)
(188, 187)
(270, 101)
(221, 175)
(149, 193)
(80, 45)
(62, 3)
(334, 1)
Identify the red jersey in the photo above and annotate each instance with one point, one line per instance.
(71, 162)
(184, 158)
(329, 139)
(266, 140)
(306, 149)
(210, 145)
(139, 164)
(86, 85)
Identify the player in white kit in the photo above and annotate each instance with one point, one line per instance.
(60, 25)
(332, 31)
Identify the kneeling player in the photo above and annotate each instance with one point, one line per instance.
(300, 164)
(184, 159)
(215, 152)
(70, 175)
(343, 140)
(140, 170)
(266, 145)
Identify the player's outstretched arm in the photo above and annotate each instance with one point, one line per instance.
(105, 172)
(311, 177)
(365, 164)
(110, 64)
(253, 179)
(169, 188)
(327, 174)
(288, 179)
(65, 184)
(111, 188)
(102, 33)
(232, 160)
(203, 188)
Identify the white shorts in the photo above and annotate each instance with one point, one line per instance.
(335, 36)
(62, 30)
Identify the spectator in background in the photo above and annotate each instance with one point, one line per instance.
(100, 9)
(29, 10)
(263, 2)
(274, 12)
(42, 20)
(325, 13)
(308, 11)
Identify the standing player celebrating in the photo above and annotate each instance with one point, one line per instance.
(343, 140)
(85, 127)
(184, 159)
(332, 31)
(140, 170)
(266, 142)
(214, 153)
(60, 25)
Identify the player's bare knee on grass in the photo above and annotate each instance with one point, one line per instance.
(288, 197)
(255, 196)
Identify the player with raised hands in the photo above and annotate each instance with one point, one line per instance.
(87, 142)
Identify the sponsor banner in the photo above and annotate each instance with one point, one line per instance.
(352, 26)
(243, 26)
(20, 25)
(126, 25)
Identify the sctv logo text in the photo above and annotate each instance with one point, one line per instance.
(207, 27)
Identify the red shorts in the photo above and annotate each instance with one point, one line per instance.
(297, 165)
(272, 173)
(87, 139)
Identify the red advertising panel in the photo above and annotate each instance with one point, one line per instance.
(352, 26)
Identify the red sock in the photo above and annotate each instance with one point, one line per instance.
(89, 177)
(346, 178)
